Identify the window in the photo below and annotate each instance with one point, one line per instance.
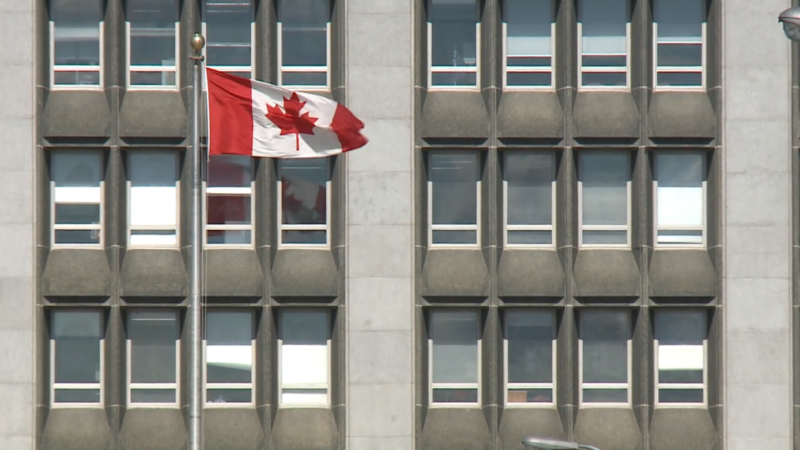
(304, 199)
(304, 357)
(529, 27)
(529, 181)
(76, 48)
(605, 349)
(680, 357)
(453, 43)
(529, 348)
(229, 31)
(680, 33)
(76, 179)
(604, 189)
(229, 201)
(304, 31)
(603, 30)
(76, 358)
(229, 348)
(153, 355)
(453, 198)
(153, 199)
(454, 349)
(680, 199)
(152, 29)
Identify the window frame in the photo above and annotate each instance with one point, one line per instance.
(231, 192)
(231, 69)
(150, 68)
(130, 385)
(431, 227)
(52, 185)
(604, 69)
(509, 386)
(329, 374)
(704, 227)
(454, 69)
(554, 201)
(305, 69)
(680, 69)
(231, 386)
(308, 227)
(674, 386)
(177, 227)
(55, 68)
(581, 226)
(600, 386)
(76, 386)
(477, 386)
(551, 69)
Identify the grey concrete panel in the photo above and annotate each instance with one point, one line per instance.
(606, 273)
(679, 429)
(305, 429)
(76, 429)
(76, 272)
(455, 114)
(304, 273)
(530, 115)
(681, 115)
(153, 429)
(153, 273)
(235, 273)
(232, 429)
(525, 273)
(455, 273)
(592, 426)
(605, 115)
(455, 429)
(76, 114)
(682, 273)
(517, 423)
(150, 114)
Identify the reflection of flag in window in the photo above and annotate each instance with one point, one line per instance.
(228, 208)
(303, 201)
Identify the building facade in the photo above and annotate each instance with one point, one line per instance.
(574, 219)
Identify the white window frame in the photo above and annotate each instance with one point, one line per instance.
(454, 69)
(177, 226)
(674, 386)
(582, 227)
(153, 386)
(530, 69)
(552, 227)
(100, 228)
(326, 386)
(75, 68)
(444, 227)
(306, 227)
(509, 386)
(231, 192)
(455, 386)
(306, 69)
(615, 386)
(680, 69)
(656, 227)
(232, 69)
(605, 69)
(175, 68)
(77, 386)
(231, 386)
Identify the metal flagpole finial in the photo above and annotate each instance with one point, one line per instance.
(198, 42)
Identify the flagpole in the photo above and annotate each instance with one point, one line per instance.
(195, 255)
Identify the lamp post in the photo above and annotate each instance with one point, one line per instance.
(791, 23)
(553, 444)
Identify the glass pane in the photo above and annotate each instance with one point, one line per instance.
(604, 79)
(153, 396)
(77, 214)
(229, 237)
(676, 55)
(229, 353)
(77, 236)
(680, 188)
(604, 182)
(153, 194)
(680, 335)
(679, 19)
(680, 376)
(454, 79)
(304, 23)
(148, 169)
(679, 79)
(74, 77)
(454, 178)
(154, 237)
(77, 396)
(76, 34)
(227, 32)
(303, 191)
(228, 395)
(298, 237)
(304, 396)
(230, 171)
(516, 237)
(680, 396)
(604, 26)
(455, 395)
(605, 237)
(228, 209)
(304, 79)
(530, 396)
(532, 61)
(463, 237)
(453, 36)
(153, 78)
(455, 346)
(529, 25)
(605, 337)
(605, 395)
(603, 61)
(529, 336)
(153, 337)
(515, 79)
(152, 24)
(680, 237)
(77, 346)
(304, 347)
(76, 169)
(529, 184)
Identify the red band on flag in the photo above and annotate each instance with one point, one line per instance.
(348, 129)
(230, 114)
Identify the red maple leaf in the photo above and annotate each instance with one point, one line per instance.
(289, 120)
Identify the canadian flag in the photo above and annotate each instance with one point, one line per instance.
(248, 117)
